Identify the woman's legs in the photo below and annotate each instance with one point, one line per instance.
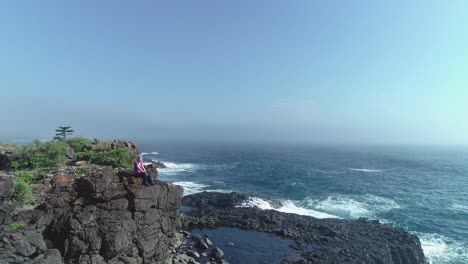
(147, 181)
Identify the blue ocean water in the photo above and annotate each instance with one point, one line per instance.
(421, 189)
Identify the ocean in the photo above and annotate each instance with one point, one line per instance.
(421, 189)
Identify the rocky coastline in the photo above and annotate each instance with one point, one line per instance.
(92, 214)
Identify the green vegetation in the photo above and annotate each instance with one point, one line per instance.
(86, 154)
(115, 157)
(41, 175)
(80, 171)
(62, 132)
(40, 154)
(15, 226)
(79, 144)
(23, 192)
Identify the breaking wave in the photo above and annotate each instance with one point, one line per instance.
(352, 207)
(175, 168)
(442, 250)
(365, 170)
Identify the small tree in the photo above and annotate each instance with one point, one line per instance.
(62, 132)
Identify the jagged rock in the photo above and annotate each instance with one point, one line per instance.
(118, 219)
(106, 218)
(217, 253)
(6, 187)
(70, 153)
(51, 256)
(193, 254)
(317, 240)
(199, 243)
(7, 154)
(25, 246)
(81, 163)
(208, 242)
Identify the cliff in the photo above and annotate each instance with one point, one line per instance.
(104, 217)
(92, 214)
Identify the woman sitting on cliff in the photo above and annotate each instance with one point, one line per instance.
(140, 171)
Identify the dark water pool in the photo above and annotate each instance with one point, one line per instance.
(250, 247)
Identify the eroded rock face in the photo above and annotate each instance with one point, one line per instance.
(26, 246)
(103, 217)
(7, 153)
(6, 193)
(112, 219)
(317, 240)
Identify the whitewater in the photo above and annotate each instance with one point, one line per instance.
(418, 189)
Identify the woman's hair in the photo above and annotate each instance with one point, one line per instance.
(139, 157)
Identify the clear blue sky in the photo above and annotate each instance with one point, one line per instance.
(302, 71)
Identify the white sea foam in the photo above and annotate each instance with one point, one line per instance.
(346, 206)
(288, 206)
(191, 187)
(175, 168)
(459, 208)
(155, 153)
(144, 153)
(365, 170)
(442, 250)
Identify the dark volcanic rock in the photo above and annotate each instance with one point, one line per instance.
(7, 153)
(217, 253)
(26, 247)
(6, 192)
(317, 240)
(102, 217)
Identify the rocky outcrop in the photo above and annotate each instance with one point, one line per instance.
(102, 217)
(132, 148)
(6, 192)
(317, 240)
(7, 153)
(26, 246)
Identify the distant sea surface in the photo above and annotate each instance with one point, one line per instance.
(421, 189)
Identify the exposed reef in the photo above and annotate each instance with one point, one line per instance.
(317, 240)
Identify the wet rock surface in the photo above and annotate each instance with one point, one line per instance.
(317, 240)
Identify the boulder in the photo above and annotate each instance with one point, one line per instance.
(7, 154)
(26, 246)
(217, 253)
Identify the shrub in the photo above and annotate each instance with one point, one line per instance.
(40, 154)
(23, 192)
(15, 226)
(86, 154)
(80, 171)
(41, 175)
(115, 157)
(79, 144)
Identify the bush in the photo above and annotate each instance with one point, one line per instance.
(115, 157)
(15, 226)
(80, 171)
(41, 175)
(23, 192)
(40, 154)
(79, 144)
(86, 154)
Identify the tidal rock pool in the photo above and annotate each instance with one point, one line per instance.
(249, 247)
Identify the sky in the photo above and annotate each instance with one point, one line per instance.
(377, 72)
